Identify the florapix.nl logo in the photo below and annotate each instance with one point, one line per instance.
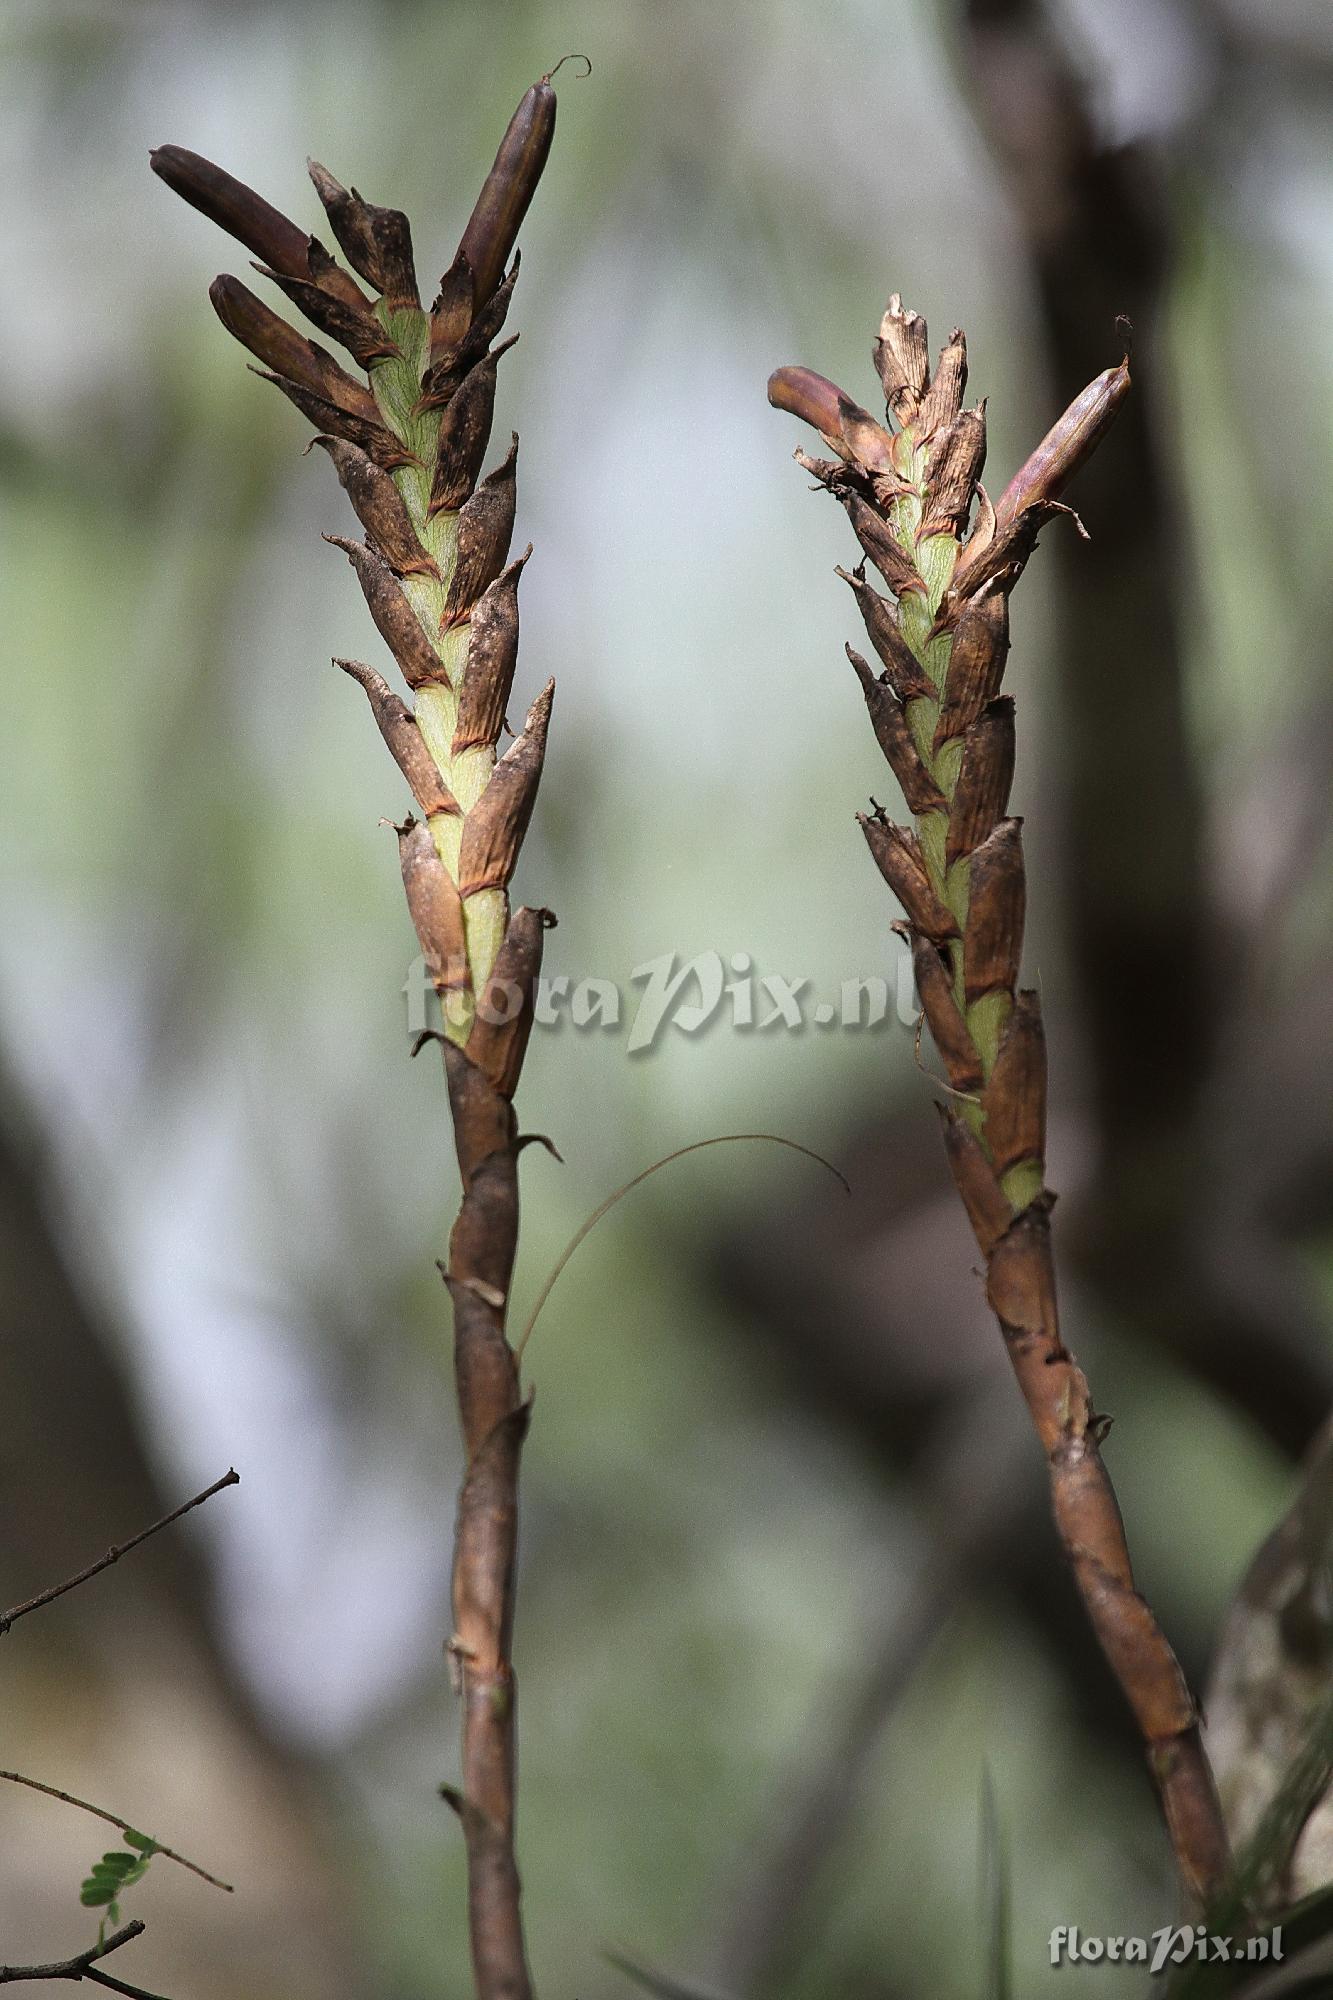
(709, 992)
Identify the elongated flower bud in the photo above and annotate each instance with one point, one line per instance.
(1068, 444)
(253, 221)
(848, 429)
(234, 207)
(510, 185)
(286, 352)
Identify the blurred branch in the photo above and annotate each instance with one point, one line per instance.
(113, 1819)
(659, 1983)
(975, 1500)
(113, 1555)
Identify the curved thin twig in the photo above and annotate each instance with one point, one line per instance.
(113, 1819)
(113, 1555)
(695, 1146)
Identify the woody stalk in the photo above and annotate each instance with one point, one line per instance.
(407, 439)
(950, 558)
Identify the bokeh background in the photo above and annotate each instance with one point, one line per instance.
(791, 1606)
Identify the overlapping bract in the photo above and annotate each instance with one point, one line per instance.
(924, 521)
(408, 446)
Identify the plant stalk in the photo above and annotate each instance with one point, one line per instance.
(950, 558)
(408, 445)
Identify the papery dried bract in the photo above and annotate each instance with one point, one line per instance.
(375, 439)
(902, 359)
(974, 1177)
(500, 1033)
(997, 905)
(396, 621)
(948, 1030)
(485, 530)
(981, 796)
(976, 662)
(882, 546)
(377, 242)
(919, 789)
(465, 431)
(491, 657)
(493, 831)
(1015, 1096)
(398, 727)
(944, 398)
(898, 857)
(907, 676)
(436, 909)
(353, 327)
(957, 456)
(380, 508)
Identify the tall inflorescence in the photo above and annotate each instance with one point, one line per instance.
(408, 444)
(950, 557)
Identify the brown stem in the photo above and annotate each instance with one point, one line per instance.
(495, 1420)
(1020, 1285)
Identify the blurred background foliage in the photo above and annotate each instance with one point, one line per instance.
(789, 1588)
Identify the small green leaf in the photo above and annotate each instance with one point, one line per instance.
(118, 1861)
(141, 1840)
(92, 1893)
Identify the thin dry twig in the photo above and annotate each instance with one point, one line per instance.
(113, 1555)
(586, 1228)
(947, 734)
(113, 1819)
(84, 1965)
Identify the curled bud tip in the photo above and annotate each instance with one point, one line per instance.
(812, 398)
(574, 57)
